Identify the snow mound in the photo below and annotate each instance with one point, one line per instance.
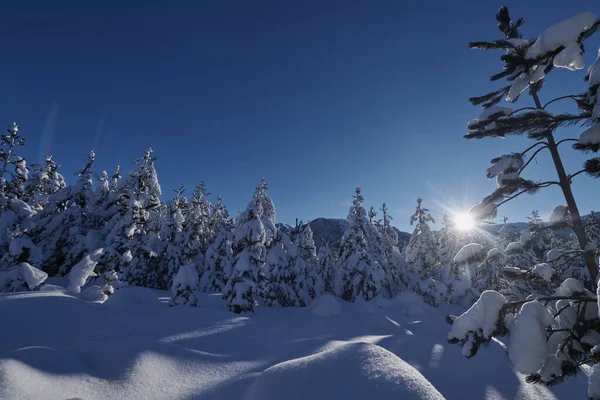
(354, 371)
(367, 307)
(410, 304)
(469, 252)
(134, 297)
(326, 305)
(93, 293)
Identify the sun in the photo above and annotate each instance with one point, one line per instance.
(464, 222)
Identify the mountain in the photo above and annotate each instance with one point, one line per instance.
(334, 229)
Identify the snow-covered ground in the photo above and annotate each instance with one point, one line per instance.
(134, 346)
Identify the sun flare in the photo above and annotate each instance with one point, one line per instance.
(464, 222)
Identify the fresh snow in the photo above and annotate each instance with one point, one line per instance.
(594, 385)
(83, 270)
(544, 271)
(480, 318)
(326, 305)
(525, 237)
(590, 136)
(135, 347)
(468, 252)
(559, 215)
(186, 276)
(528, 348)
(564, 33)
(33, 277)
(513, 247)
(517, 87)
(353, 371)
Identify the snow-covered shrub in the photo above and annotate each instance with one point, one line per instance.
(22, 277)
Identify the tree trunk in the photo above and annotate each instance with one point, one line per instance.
(565, 185)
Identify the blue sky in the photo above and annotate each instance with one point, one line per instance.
(317, 96)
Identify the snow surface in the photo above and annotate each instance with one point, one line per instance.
(326, 305)
(61, 347)
(133, 297)
(353, 371)
(594, 385)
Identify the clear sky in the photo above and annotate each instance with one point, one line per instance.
(317, 96)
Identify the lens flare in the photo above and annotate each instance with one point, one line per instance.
(464, 222)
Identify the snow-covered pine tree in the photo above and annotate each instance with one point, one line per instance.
(310, 283)
(219, 218)
(219, 263)
(551, 337)
(43, 182)
(422, 250)
(173, 237)
(15, 214)
(19, 257)
(422, 258)
(280, 284)
(392, 259)
(540, 233)
(326, 266)
(592, 228)
(249, 251)
(448, 241)
(197, 226)
(60, 229)
(219, 256)
(526, 66)
(359, 273)
(107, 200)
(137, 248)
(13, 168)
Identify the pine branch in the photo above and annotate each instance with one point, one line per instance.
(592, 167)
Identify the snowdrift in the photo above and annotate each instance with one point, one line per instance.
(354, 371)
(133, 297)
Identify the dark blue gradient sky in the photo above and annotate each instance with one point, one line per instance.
(317, 96)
